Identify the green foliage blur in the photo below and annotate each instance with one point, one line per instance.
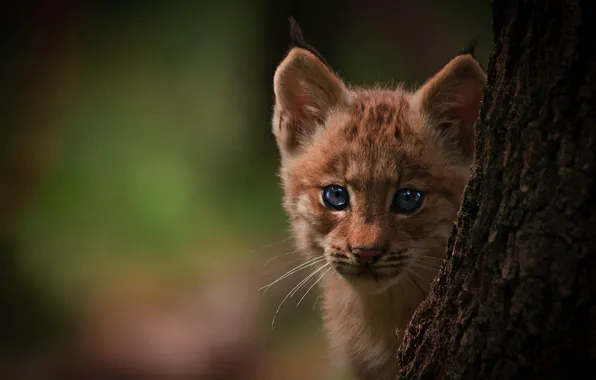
(154, 144)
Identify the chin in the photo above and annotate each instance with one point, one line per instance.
(370, 283)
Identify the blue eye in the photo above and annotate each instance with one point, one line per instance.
(406, 201)
(336, 197)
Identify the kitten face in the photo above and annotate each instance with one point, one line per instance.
(373, 178)
(374, 191)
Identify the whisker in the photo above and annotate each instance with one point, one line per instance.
(393, 258)
(415, 284)
(418, 275)
(268, 245)
(433, 263)
(427, 266)
(427, 270)
(409, 279)
(316, 299)
(278, 256)
(305, 281)
(293, 291)
(314, 283)
(296, 269)
(286, 264)
(430, 257)
(390, 284)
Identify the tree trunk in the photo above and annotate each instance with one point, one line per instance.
(517, 297)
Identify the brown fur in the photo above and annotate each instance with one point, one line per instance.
(373, 142)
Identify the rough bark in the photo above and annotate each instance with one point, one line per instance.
(517, 297)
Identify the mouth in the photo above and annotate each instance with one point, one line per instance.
(368, 272)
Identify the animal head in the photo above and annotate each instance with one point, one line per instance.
(373, 178)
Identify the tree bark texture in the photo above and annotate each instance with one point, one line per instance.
(517, 297)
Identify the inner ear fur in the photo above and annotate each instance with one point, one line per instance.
(306, 89)
(451, 99)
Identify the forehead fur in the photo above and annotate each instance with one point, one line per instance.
(379, 136)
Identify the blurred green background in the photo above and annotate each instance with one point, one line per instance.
(136, 154)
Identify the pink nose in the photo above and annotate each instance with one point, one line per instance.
(367, 255)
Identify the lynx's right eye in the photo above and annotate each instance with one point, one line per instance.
(335, 197)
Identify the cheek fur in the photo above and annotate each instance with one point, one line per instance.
(304, 207)
(311, 221)
(321, 219)
(303, 235)
(436, 214)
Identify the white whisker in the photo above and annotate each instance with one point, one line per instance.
(296, 269)
(427, 266)
(314, 304)
(303, 282)
(278, 256)
(314, 283)
(429, 257)
(268, 245)
(293, 291)
(418, 275)
(414, 284)
(286, 264)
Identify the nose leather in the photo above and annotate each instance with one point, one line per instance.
(367, 255)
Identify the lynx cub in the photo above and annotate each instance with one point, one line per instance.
(373, 179)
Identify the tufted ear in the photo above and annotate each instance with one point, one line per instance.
(451, 100)
(306, 89)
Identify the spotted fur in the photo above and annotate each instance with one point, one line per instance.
(373, 142)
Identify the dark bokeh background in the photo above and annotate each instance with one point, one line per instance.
(138, 193)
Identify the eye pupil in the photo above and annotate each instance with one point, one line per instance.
(335, 197)
(406, 201)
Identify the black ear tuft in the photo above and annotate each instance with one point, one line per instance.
(470, 48)
(296, 33)
(298, 41)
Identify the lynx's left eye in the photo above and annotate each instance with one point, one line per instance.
(335, 197)
(406, 201)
